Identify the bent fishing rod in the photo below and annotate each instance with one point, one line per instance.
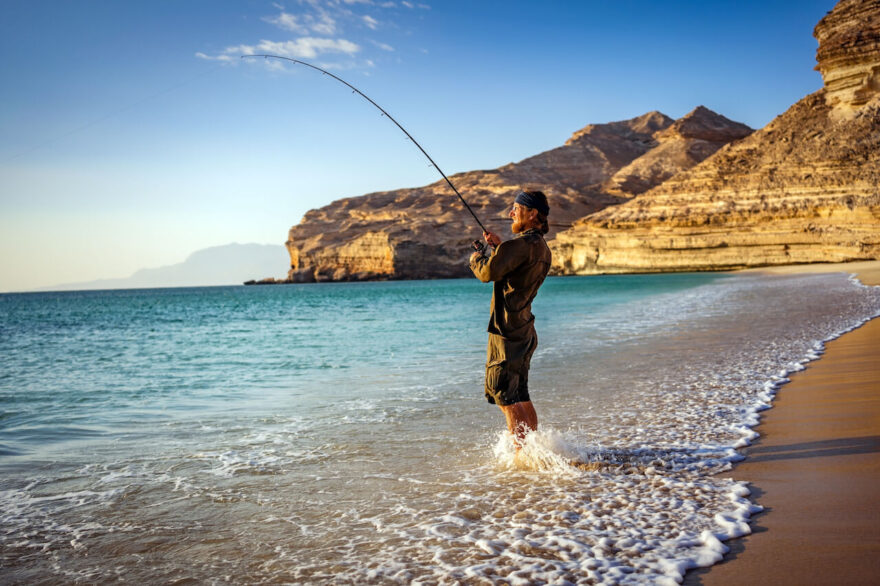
(386, 114)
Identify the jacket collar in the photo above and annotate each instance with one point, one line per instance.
(529, 232)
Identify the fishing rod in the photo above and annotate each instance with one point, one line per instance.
(390, 117)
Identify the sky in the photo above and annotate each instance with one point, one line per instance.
(132, 133)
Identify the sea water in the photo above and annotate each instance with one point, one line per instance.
(337, 433)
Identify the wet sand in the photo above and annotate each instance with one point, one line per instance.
(815, 469)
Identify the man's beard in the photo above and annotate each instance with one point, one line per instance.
(516, 227)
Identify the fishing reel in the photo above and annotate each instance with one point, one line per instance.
(480, 247)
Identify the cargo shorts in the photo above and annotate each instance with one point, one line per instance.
(507, 369)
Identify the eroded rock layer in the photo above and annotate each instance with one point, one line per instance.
(849, 53)
(803, 189)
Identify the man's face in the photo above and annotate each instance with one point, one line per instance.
(523, 218)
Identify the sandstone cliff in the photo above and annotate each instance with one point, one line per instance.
(426, 232)
(849, 46)
(802, 189)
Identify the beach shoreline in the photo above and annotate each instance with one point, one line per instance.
(815, 467)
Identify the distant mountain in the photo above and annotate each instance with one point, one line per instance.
(688, 141)
(231, 264)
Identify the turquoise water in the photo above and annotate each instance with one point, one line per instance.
(337, 432)
(97, 360)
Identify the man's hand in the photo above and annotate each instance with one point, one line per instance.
(492, 238)
(475, 256)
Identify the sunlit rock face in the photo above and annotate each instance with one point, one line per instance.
(426, 232)
(849, 54)
(803, 189)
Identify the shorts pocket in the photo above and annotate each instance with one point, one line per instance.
(497, 377)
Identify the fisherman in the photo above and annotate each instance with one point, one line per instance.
(517, 268)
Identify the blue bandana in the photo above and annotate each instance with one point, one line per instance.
(533, 201)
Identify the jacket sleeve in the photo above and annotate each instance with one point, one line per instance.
(505, 258)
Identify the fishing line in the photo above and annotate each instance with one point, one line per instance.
(384, 113)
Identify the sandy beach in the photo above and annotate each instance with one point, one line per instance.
(815, 469)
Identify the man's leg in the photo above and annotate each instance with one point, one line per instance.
(507, 372)
(529, 415)
(521, 420)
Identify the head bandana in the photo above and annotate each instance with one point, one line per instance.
(533, 200)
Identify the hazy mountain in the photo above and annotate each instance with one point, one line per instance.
(231, 264)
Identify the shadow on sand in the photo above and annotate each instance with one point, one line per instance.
(768, 453)
(836, 447)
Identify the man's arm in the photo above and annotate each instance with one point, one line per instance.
(500, 262)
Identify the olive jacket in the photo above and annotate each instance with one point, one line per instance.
(517, 268)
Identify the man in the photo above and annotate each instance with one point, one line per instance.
(517, 268)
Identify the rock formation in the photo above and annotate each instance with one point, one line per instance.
(802, 189)
(680, 146)
(426, 232)
(849, 45)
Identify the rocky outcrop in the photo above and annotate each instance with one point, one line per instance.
(849, 54)
(803, 189)
(426, 232)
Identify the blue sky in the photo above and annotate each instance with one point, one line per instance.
(132, 134)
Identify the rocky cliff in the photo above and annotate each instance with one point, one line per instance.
(849, 45)
(426, 232)
(803, 189)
